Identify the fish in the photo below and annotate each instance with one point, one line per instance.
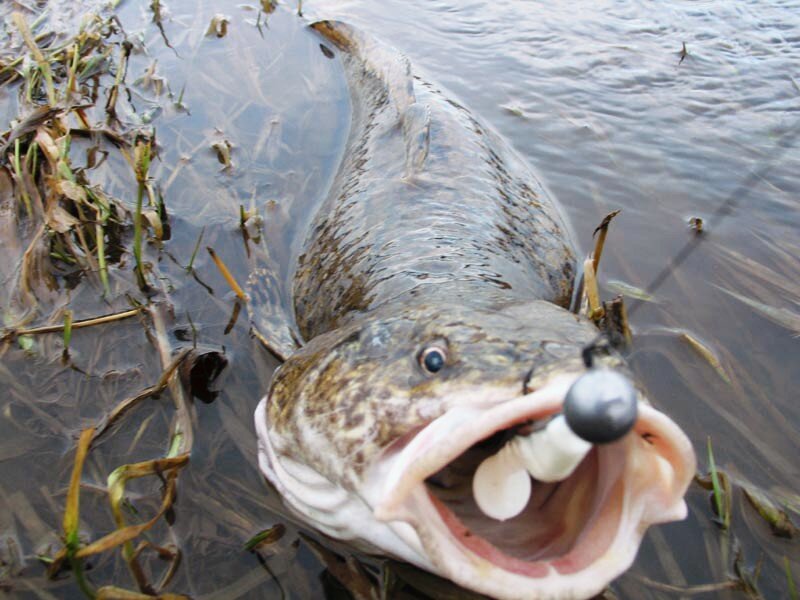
(430, 323)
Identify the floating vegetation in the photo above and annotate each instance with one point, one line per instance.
(696, 224)
(78, 228)
(784, 317)
(683, 53)
(223, 150)
(267, 537)
(226, 273)
(67, 333)
(76, 234)
(763, 286)
(600, 234)
(777, 519)
(592, 307)
(706, 353)
(631, 291)
(513, 109)
(71, 539)
(69, 325)
(141, 165)
(347, 571)
(218, 26)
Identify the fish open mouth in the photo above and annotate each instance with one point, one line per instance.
(548, 527)
(571, 538)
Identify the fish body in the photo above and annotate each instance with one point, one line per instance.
(432, 300)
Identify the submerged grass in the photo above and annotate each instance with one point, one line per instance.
(42, 63)
(71, 511)
(720, 494)
(707, 354)
(226, 273)
(141, 168)
(790, 586)
(768, 509)
(81, 233)
(266, 537)
(73, 324)
(79, 218)
(67, 331)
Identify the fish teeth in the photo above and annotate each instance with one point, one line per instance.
(501, 486)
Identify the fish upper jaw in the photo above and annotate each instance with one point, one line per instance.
(618, 491)
(398, 472)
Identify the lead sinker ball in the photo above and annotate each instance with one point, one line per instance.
(600, 407)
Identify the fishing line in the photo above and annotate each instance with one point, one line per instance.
(725, 209)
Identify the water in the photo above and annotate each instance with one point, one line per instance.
(596, 97)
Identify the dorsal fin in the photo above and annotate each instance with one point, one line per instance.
(417, 134)
(393, 70)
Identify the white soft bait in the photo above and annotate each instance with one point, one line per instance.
(502, 483)
(600, 407)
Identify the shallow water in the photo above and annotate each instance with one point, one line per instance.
(596, 97)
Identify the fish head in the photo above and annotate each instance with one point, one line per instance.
(373, 432)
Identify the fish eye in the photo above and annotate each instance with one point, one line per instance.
(432, 359)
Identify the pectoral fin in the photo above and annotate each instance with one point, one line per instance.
(270, 314)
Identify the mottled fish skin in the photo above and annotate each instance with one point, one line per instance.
(443, 234)
(427, 201)
(349, 393)
(436, 234)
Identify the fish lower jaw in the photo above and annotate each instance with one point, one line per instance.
(573, 537)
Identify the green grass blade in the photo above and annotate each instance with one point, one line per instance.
(67, 329)
(719, 493)
(790, 580)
